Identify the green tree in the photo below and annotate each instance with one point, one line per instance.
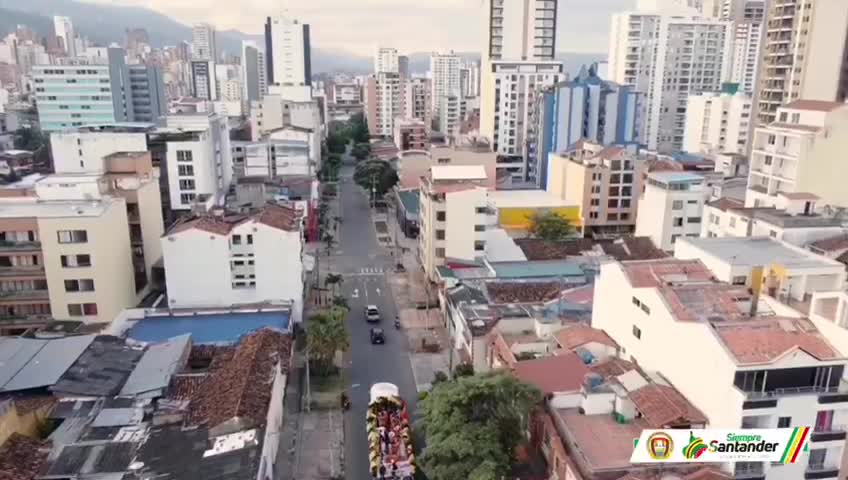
(333, 280)
(30, 139)
(358, 128)
(361, 151)
(474, 424)
(336, 143)
(326, 333)
(550, 226)
(376, 174)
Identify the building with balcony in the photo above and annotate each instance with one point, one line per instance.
(748, 17)
(273, 157)
(417, 100)
(766, 370)
(411, 134)
(383, 99)
(668, 55)
(452, 216)
(221, 259)
(718, 123)
(671, 207)
(803, 55)
(444, 81)
(604, 182)
(586, 107)
(799, 153)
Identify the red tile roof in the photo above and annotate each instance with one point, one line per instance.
(663, 406)
(766, 339)
(817, 105)
(557, 373)
(21, 458)
(724, 204)
(273, 215)
(614, 367)
(653, 273)
(242, 387)
(578, 335)
(523, 292)
(705, 473)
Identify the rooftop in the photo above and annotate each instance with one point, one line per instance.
(766, 339)
(598, 441)
(210, 328)
(30, 363)
(273, 215)
(553, 374)
(784, 220)
(676, 177)
(457, 172)
(101, 370)
(31, 207)
(538, 269)
(628, 248)
(653, 273)
(760, 251)
(832, 244)
(523, 292)
(816, 105)
(662, 406)
(575, 336)
(409, 200)
(21, 458)
(500, 247)
(159, 363)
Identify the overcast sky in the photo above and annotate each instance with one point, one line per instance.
(357, 26)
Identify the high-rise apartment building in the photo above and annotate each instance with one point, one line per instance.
(520, 30)
(469, 80)
(383, 102)
(718, 122)
(386, 60)
(586, 107)
(403, 66)
(253, 71)
(81, 91)
(444, 75)
(803, 55)
(203, 42)
(669, 55)
(288, 52)
(63, 28)
(203, 80)
(748, 17)
(416, 98)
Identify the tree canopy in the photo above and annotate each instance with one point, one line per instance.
(378, 174)
(326, 333)
(550, 226)
(474, 424)
(29, 139)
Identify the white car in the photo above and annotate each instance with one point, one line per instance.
(371, 313)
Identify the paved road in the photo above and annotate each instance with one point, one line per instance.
(363, 262)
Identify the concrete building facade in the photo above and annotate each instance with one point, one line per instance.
(288, 51)
(671, 207)
(718, 123)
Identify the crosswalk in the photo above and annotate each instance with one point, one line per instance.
(371, 271)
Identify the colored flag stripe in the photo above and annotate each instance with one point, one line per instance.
(793, 446)
(804, 432)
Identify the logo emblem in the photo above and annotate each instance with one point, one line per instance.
(695, 448)
(660, 446)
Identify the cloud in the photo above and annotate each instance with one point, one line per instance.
(358, 26)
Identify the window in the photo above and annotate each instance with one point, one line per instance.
(625, 203)
(185, 170)
(691, 202)
(624, 216)
(250, 239)
(479, 228)
(596, 189)
(612, 203)
(677, 222)
(612, 217)
(440, 253)
(187, 184)
(783, 422)
(674, 238)
(480, 210)
(440, 216)
(739, 280)
(593, 215)
(72, 261)
(184, 155)
(693, 220)
(82, 285)
(479, 246)
(238, 263)
(645, 309)
(637, 332)
(82, 309)
(772, 234)
(236, 239)
(613, 191)
(767, 160)
(677, 205)
(615, 178)
(186, 197)
(636, 302)
(627, 178)
(440, 234)
(72, 236)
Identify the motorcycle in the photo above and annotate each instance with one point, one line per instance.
(397, 323)
(345, 402)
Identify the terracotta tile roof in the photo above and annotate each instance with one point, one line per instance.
(273, 215)
(663, 406)
(633, 248)
(817, 105)
(184, 387)
(578, 335)
(831, 244)
(557, 373)
(800, 195)
(724, 204)
(704, 473)
(21, 458)
(766, 339)
(501, 348)
(656, 165)
(537, 249)
(242, 387)
(614, 367)
(523, 292)
(583, 295)
(629, 248)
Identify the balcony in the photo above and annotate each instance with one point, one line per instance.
(36, 271)
(819, 470)
(16, 296)
(828, 434)
(8, 246)
(749, 471)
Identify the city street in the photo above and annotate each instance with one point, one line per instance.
(363, 263)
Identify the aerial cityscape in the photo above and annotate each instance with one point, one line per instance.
(466, 240)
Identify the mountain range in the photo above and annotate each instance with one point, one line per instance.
(104, 24)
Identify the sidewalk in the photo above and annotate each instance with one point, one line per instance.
(424, 328)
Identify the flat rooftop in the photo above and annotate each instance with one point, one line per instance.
(205, 328)
(457, 172)
(676, 177)
(760, 251)
(598, 441)
(525, 199)
(30, 207)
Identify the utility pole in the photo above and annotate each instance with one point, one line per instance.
(308, 406)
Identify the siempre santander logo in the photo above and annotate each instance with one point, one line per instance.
(695, 448)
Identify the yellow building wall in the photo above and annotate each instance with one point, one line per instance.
(519, 218)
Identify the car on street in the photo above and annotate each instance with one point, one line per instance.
(372, 314)
(377, 336)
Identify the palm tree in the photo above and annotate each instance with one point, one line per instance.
(326, 334)
(334, 280)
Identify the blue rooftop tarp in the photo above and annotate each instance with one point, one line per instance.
(219, 328)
